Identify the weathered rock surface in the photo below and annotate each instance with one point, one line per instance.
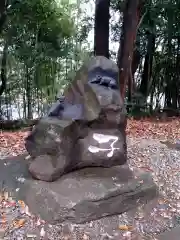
(80, 196)
(173, 234)
(85, 128)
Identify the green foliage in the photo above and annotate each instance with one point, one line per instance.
(161, 17)
(48, 42)
(44, 47)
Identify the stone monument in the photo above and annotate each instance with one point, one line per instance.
(79, 153)
(84, 128)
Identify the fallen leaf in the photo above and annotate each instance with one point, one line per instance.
(21, 203)
(19, 223)
(3, 219)
(125, 228)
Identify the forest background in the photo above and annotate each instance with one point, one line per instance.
(44, 42)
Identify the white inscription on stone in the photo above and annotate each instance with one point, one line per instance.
(101, 138)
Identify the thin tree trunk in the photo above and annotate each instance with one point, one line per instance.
(3, 68)
(168, 71)
(147, 72)
(101, 28)
(28, 95)
(3, 14)
(175, 83)
(178, 73)
(134, 66)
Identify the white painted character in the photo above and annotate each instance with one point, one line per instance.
(102, 138)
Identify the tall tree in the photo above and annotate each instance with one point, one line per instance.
(151, 39)
(128, 36)
(3, 68)
(147, 71)
(3, 16)
(101, 28)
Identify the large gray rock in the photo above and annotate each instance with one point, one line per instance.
(90, 194)
(86, 128)
(80, 196)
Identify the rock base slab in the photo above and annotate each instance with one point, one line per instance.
(80, 196)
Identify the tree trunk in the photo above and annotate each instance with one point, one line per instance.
(134, 66)
(3, 14)
(178, 73)
(128, 36)
(175, 80)
(28, 94)
(101, 28)
(3, 68)
(168, 96)
(147, 72)
(2, 6)
(168, 72)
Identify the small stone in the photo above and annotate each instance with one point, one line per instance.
(127, 234)
(28, 235)
(67, 237)
(27, 157)
(2, 233)
(66, 229)
(106, 236)
(85, 237)
(6, 195)
(38, 222)
(42, 232)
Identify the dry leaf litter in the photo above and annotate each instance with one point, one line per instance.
(145, 151)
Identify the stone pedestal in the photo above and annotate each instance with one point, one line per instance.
(80, 196)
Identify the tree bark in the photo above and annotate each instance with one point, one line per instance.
(175, 78)
(168, 71)
(2, 6)
(178, 73)
(101, 28)
(3, 14)
(28, 94)
(3, 68)
(147, 72)
(128, 36)
(151, 40)
(134, 66)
